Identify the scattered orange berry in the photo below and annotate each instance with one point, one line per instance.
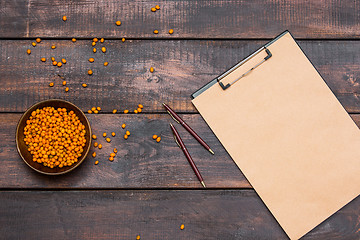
(104, 134)
(96, 111)
(115, 150)
(90, 72)
(94, 50)
(64, 83)
(135, 111)
(158, 139)
(96, 162)
(91, 60)
(155, 136)
(182, 226)
(98, 108)
(28, 51)
(103, 49)
(151, 69)
(153, 9)
(157, 7)
(93, 44)
(112, 154)
(34, 44)
(106, 63)
(111, 159)
(123, 125)
(64, 18)
(74, 39)
(114, 111)
(128, 133)
(123, 39)
(102, 40)
(93, 136)
(52, 59)
(51, 84)
(94, 154)
(95, 40)
(54, 63)
(126, 111)
(118, 23)
(156, 31)
(139, 110)
(63, 60)
(113, 134)
(95, 144)
(140, 106)
(100, 146)
(59, 64)
(89, 111)
(108, 139)
(66, 89)
(43, 59)
(84, 85)
(38, 40)
(126, 136)
(53, 47)
(171, 31)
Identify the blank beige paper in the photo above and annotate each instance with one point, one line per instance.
(289, 135)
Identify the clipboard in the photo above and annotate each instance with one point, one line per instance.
(287, 133)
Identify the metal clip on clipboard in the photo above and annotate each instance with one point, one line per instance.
(224, 87)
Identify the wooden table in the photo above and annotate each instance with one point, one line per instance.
(150, 188)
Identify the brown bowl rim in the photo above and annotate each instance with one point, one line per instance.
(17, 131)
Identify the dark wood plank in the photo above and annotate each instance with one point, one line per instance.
(181, 67)
(189, 19)
(206, 214)
(141, 162)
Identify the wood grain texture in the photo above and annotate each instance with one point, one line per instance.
(189, 19)
(181, 67)
(141, 162)
(206, 214)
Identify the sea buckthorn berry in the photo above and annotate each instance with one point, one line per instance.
(106, 63)
(54, 63)
(102, 40)
(64, 83)
(157, 7)
(182, 226)
(96, 162)
(95, 144)
(140, 106)
(108, 139)
(103, 49)
(51, 84)
(98, 108)
(84, 85)
(93, 44)
(153, 9)
(154, 136)
(94, 136)
(93, 108)
(64, 18)
(94, 154)
(91, 60)
(112, 154)
(94, 50)
(59, 64)
(28, 51)
(38, 40)
(114, 111)
(52, 59)
(126, 111)
(135, 111)
(156, 31)
(74, 39)
(63, 60)
(95, 40)
(126, 136)
(139, 110)
(151, 69)
(128, 133)
(43, 59)
(115, 150)
(96, 111)
(111, 159)
(138, 237)
(123, 39)
(89, 111)
(123, 125)
(34, 44)
(113, 134)
(158, 139)
(66, 89)
(104, 134)
(90, 72)
(171, 31)
(118, 23)
(53, 47)
(100, 146)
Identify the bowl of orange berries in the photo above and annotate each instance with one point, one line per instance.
(53, 137)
